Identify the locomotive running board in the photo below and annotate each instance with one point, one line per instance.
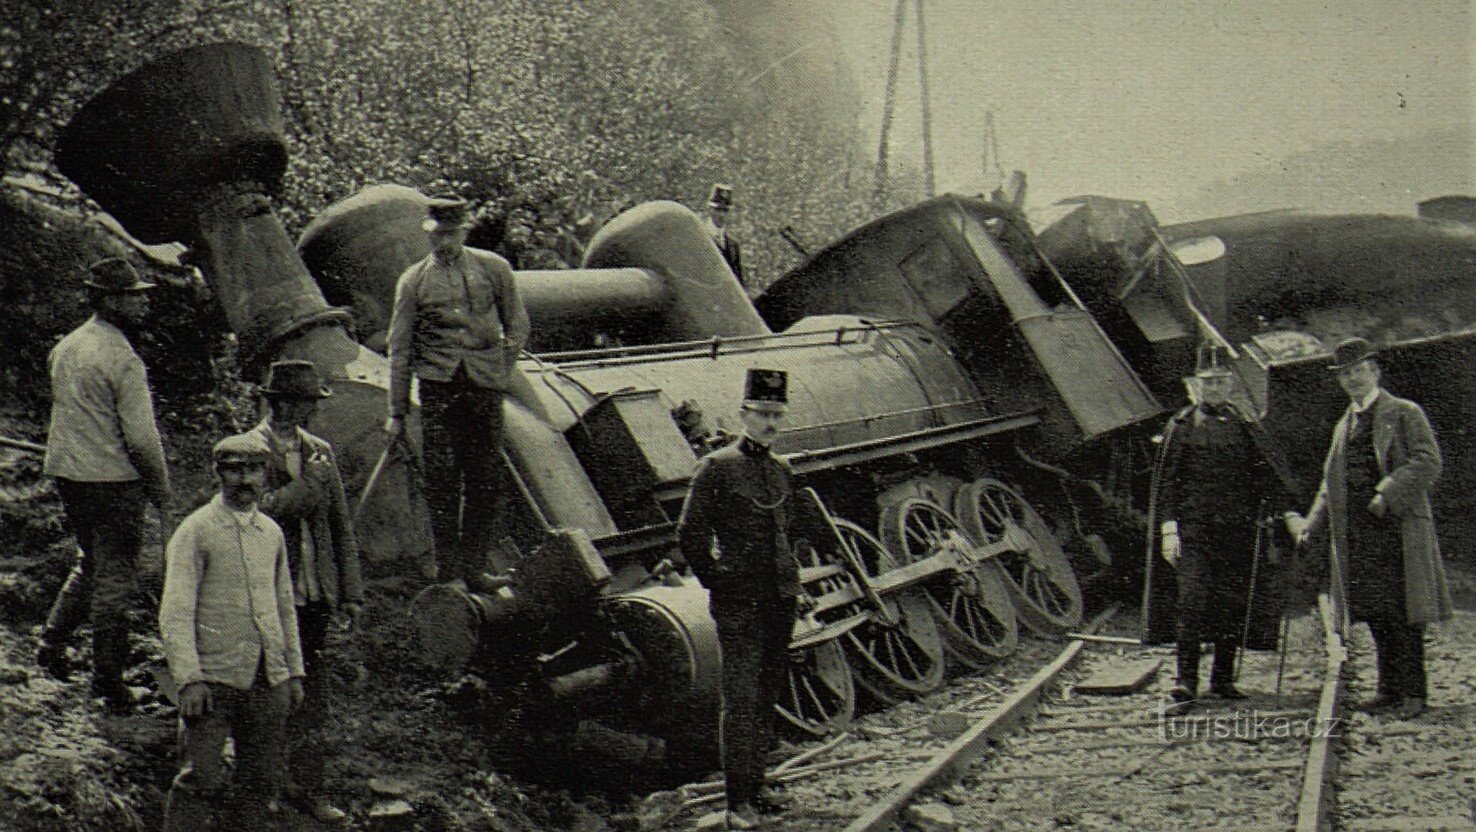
(869, 450)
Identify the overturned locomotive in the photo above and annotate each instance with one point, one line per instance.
(972, 406)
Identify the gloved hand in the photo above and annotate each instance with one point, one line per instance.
(1169, 544)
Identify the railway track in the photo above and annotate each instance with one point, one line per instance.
(992, 753)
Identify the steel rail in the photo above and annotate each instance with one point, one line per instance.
(949, 763)
(1315, 808)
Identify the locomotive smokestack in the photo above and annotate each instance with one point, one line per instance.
(190, 149)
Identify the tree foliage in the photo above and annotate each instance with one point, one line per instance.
(541, 111)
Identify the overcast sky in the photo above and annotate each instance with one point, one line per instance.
(1155, 99)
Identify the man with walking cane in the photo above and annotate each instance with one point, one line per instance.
(1209, 571)
(1374, 506)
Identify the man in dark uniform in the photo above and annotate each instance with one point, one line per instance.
(458, 325)
(740, 498)
(1218, 478)
(719, 210)
(1375, 505)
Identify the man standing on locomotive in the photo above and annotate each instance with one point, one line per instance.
(459, 325)
(719, 212)
(1217, 480)
(1374, 504)
(739, 497)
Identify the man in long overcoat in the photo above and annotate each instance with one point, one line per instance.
(1219, 484)
(1374, 504)
(740, 499)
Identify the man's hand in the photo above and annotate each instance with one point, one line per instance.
(294, 692)
(194, 699)
(1296, 526)
(1378, 506)
(318, 469)
(394, 426)
(354, 612)
(1169, 547)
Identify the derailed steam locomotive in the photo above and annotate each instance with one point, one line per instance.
(971, 407)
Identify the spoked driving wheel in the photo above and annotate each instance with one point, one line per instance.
(820, 697)
(1037, 572)
(892, 662)
(973, 604)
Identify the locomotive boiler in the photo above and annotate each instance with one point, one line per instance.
(910, 403)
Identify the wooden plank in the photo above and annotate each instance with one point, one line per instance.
(1092, 639)
(974, 741)
(1120, 678)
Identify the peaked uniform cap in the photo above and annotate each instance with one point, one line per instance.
(114, 275)
(766, 388)
(243, 448)
(722, 196)
(447, 214)
(1350, 352)
(297, 379)
(1213, 360)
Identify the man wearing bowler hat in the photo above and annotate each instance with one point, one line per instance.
(719, 210)
(304, 494)
(103, 450)
(458, 325)
(740, 499)
(1374, 504)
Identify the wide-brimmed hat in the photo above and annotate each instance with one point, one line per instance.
(446, 213)
(1350, 352)
(242, 449)
(115, 276)
(722, 196)
(766, 389)
(294, 379)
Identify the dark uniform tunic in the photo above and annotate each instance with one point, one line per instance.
(740, 497)
(1218, 474)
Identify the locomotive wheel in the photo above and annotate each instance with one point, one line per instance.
(1038, 574)
(820, 698)
(973, 606)
(899, 662)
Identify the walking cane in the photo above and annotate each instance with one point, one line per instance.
(1281, 648)
(1250, 599)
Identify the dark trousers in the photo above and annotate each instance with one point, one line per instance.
(309, 747)
(1222, 672)
(1399, 653)
(754, 640)
(107, 520)
(462, 425)
(256, 720)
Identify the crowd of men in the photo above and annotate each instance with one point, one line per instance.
(255, 576)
